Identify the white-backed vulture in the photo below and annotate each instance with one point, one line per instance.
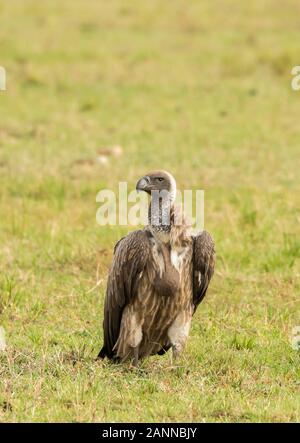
(158, 277)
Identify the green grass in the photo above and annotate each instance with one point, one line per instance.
(198, 88)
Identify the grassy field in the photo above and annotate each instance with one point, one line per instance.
(202, 89)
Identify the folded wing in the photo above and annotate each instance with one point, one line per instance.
(203, 265)
(130, 257)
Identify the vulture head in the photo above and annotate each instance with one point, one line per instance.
(158, 181)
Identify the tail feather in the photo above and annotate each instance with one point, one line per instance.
(111, 356)
(163, 351)
(102, 353)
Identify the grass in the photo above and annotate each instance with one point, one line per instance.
(201, 89)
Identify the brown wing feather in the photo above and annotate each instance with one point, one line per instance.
(130, 257)
(203, 263)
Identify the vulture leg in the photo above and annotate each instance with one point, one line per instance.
(178, 333)
(136, 356)
(174, 354)
(176, 351)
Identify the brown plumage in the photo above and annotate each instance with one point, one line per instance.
(158, 277)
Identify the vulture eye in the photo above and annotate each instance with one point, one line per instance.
(160, 179)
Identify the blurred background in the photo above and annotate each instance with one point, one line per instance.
(100, 92)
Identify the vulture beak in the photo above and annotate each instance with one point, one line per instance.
(143, 184)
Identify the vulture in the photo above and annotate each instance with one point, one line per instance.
(157, 279)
